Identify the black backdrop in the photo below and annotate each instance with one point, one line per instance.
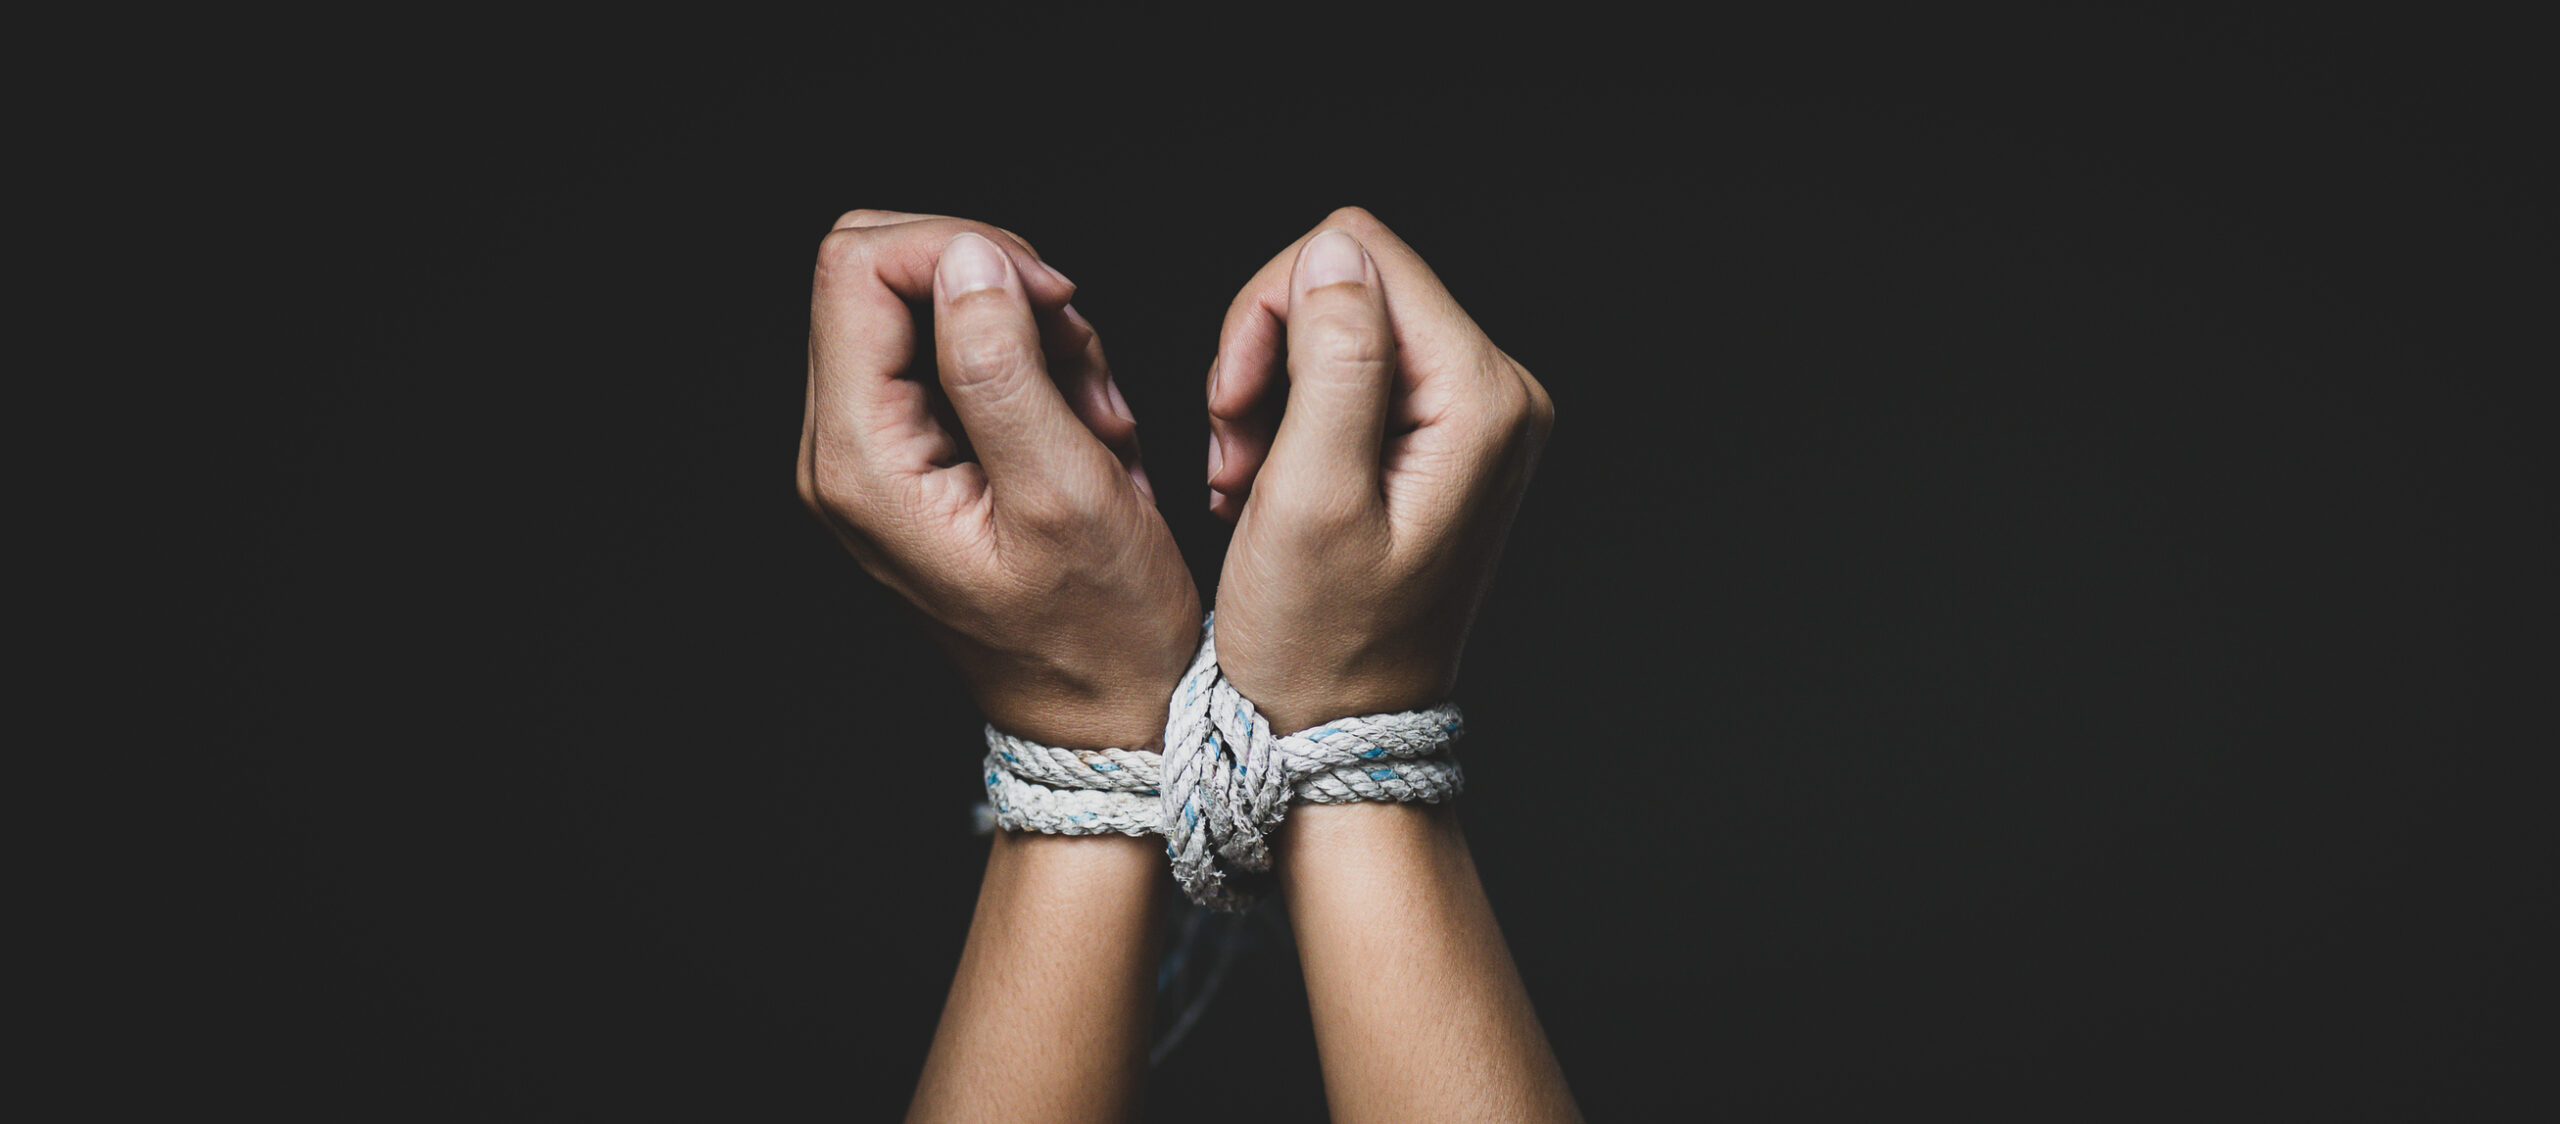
(2032, 606)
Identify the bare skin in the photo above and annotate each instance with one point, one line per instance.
(1374, 503)
(1025, 536)
(1371, 502)
(1419, 1012)
(1028, 542)
(1048, 1014)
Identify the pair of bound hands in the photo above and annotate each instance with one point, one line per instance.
(1367, 440)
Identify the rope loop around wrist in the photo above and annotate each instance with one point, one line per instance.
(1224, 778)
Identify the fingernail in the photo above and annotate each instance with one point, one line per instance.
(1217, 456)
(1119, 405)
(1074, 317)
(1330, 259)
(970, 263)
(1138, 472)
(1214, 496)
(1052, 271)
(1213, 378)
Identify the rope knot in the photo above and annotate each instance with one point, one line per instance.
(1224, 779)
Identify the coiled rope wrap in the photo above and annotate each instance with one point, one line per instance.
(1223, 780)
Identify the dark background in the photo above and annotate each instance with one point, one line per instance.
(2035, 606)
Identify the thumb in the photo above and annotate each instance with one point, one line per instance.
(1342, 362)
(988, 350)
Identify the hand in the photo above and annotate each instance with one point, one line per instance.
(997, 490)
(1371, 505)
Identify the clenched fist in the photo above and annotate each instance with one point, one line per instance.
(993, 483)
(1371, 500)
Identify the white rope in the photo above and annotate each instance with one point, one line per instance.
(1224, 779)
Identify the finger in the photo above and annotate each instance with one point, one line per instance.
(987, 341)
(1246, 382)
(1444, 354)
(912, 233)
(1342, 364)
(863, 339)
(1239, 437)
(1226, 507)
(864, 217)
(1074, 349)
(1083, 375)
(861, 218)
(867, 422)
(1431, 326)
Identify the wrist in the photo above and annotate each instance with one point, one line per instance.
(1294, 699)
(1304, 664)
(1120, 713)
(1412, 845)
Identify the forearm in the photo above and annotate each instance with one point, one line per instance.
(1048, 1016)
(1419, 1012)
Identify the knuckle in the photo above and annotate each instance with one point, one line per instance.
(1526, 426)
(1231, 409)
(842, 254)
(1539, 407)
(1542, 413)
(805, 483)
(1507, 417)
(1116, 433)
(826, 484)
(833, 500)
(1355, 218)
(1053, 514)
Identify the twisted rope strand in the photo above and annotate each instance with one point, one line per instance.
(1224, 779)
